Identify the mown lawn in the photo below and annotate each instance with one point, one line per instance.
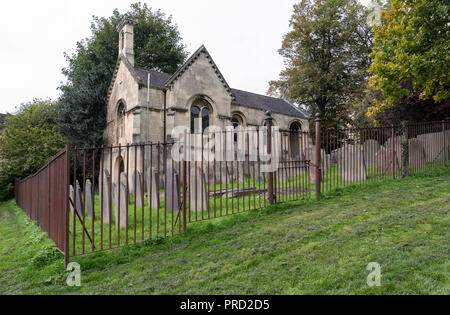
(307, 247)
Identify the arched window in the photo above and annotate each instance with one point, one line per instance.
(294, 135)
(200, 123)
(236, 121)
(121, 121)
(195, 119)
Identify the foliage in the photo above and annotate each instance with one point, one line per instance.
(411, 45)
(412, 108)
(326, 57)
(28, 141)
(82, 109)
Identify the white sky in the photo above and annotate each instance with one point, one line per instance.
(243, 37)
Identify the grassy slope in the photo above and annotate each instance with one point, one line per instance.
(316, 248)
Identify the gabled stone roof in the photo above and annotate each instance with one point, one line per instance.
(162, 81)
(190, 61)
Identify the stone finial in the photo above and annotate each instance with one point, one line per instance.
(126, 19)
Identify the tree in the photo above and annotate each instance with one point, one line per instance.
(82, 105)
(326, 57)
(411, 57)
(29, 139)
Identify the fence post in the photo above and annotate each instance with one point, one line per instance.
(67, 207)
(394, 154)
(405, 150)
(445, 146)
(318, 162)
(270, 192)
(185, 155)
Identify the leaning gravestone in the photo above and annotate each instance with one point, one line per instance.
(433, 144)
(172, 190)
(398, 143)
(371, 147)
(89, 199)
(123, 203)
(417, 154)
(352, 165)
(105, 194)
(198, 195)
(79, 200)
(153, 188)
(71, 198)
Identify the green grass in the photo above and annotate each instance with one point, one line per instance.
(307, 247)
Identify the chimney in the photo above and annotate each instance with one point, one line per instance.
(126, 37)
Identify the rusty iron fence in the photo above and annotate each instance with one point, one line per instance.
(96, 199)
(44, 197)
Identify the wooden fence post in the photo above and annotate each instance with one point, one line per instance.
(270, 191)
(318, 159)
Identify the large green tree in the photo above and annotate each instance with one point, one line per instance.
(411, 59)
(82, 105)
(326, 57)
(29, 139)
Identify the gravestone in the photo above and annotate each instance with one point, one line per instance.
(71, 192)
(198, 195)
(153, 188)
(138, 191)
(123, 202)
(384, 161)
(371, 147)
(172, 189)
(417, 154)
(105, 195)
(398, 143)
(79, 200)
(89, 199)
(433, 145)
(352, 165)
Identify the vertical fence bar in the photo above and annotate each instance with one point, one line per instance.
(318, 165)
(270, 192)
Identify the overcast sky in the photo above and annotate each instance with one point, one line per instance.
(243, 37)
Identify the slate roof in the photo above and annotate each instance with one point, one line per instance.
(243, 98)
(258, 101)
(157, 79)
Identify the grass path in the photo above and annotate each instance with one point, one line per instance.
(299, 248)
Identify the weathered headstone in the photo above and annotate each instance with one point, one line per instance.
(79, 200)
(71, 198)
(386, 161)
(123, 203)
(105, 195)
(371, 147)
(353, 167)
(172, 190)
(417, 154)
(153, 188)
(198, 195)
(89, 199)
(138, 191)
(398, 143)
(433, 145)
